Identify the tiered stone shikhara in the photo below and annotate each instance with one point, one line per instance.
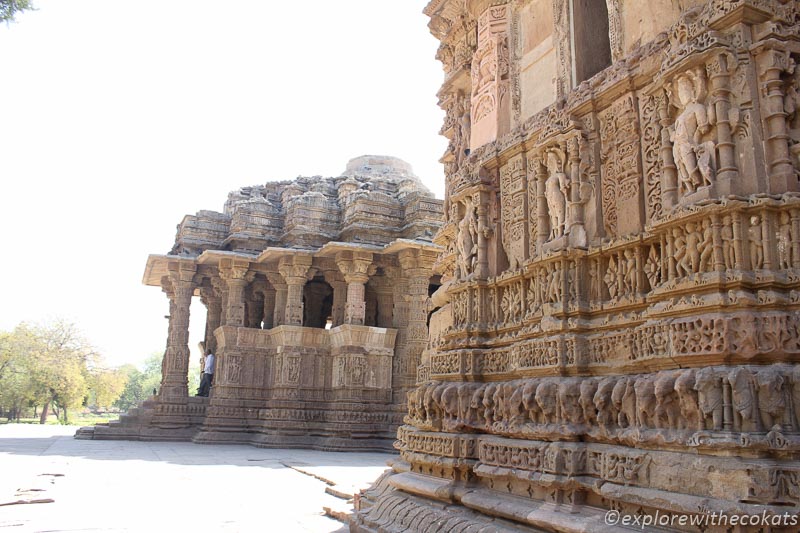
(619, 320)
(317, 292)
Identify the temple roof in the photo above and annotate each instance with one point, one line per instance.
(376, 200)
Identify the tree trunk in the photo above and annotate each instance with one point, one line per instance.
(45, 412)
(66, 417)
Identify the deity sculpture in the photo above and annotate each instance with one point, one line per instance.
(611, 278)
(784, 241)
(693, 243)
(556, 192)
(693, 156)
(706, 247)
(461, 130)
(728, 249)
(756, 245)
(467, 239)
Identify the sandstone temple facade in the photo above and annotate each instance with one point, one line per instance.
(618, 327)
(317, 296)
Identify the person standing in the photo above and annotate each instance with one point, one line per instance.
(208, 376)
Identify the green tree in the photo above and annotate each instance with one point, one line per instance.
(141, 382)
(106, 387)
(10, 8)
(47, 365)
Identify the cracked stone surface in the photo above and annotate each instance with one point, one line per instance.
(140, 486)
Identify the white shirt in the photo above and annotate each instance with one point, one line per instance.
(209, 369)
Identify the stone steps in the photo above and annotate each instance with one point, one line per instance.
(85, 433)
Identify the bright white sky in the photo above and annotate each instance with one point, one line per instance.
(121, 116)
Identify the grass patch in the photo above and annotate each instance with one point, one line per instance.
(76, 419)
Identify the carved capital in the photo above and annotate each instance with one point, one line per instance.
(181, 272)
(356, 267)
(294, 269)
(235, 269)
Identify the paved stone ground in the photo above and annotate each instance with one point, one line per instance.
(89, 485)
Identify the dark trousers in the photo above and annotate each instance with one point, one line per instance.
(205, 384)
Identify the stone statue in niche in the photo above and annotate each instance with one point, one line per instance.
(467, 240)
(784, 241)
(679, 252)
(611, 278)
(693, 155)
(706, 246)
(728, 249)
(629, 273)
(556, 191)
(461, 130)
(693, 240)
(756, 245)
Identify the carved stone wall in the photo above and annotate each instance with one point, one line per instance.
(620, 328)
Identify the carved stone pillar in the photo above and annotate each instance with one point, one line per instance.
(669, 172)
(719, 259)
(795, 217)
(221, 288)
(236, 277)
(269, 308)
(335, 280)
(738, 248)
(254, 306)
(279, 308)
(482, 263)
(383, 288)
(354, 267)
(771, 65)
(294, 271)
(543, 222)
(416, 268)
(213, 303)
(672, 265)
(767, 241)
(574, 225)
(490, 111)
(720, 72)
(179, 286)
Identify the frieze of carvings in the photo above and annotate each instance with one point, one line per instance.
(441, 444)
(513, 196)
(620, 160)
(524, 468)
(512, 302)
(741, 335)
(651, 153)
(686, 407)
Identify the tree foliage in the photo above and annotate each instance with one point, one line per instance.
(53, 366)
(10, 8)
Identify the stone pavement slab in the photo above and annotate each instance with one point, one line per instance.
(169, 486)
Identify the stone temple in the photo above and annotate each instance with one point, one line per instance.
(617, 335)
(317, 292)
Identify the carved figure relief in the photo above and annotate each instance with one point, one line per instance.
(692, 151)
(556, 192)
(755, 243)
(467, 242)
